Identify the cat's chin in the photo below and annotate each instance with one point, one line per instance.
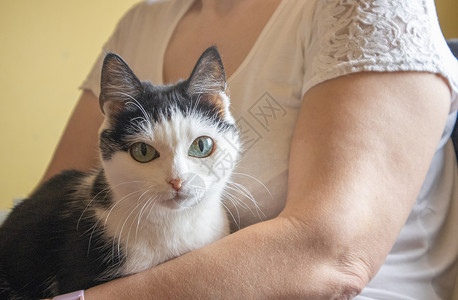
(180, 202)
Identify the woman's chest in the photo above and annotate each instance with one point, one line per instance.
(235, 34)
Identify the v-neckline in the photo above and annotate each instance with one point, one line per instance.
(168, 36)
(259, 39)
(245, 60)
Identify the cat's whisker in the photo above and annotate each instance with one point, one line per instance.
(237, 211)
(89, 204)
(153, 203)
(232, 215)
(115, 233)
(245, 190)
(196, 104)
(144, 193)
(255, 179)
(238, 202)
(137, 118)
(113, 206)
(235, 200)
(144, 206)
(93, 228)
(139, 124)
(106, 191)
(122, 229)
(236, 187)
(138, 204)
(245, 193)
(136, 103)
(131, 225)
(142, 211)
(92, 234)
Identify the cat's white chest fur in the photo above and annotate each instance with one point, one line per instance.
(162, 244)
(149, 243)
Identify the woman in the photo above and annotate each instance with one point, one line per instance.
(347, 108)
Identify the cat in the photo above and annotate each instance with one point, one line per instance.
(157, 193)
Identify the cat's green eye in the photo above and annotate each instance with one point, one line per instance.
(201, 147)
(142, 152)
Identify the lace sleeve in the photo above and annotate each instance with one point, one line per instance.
(376, 35)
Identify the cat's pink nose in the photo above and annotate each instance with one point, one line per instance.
(176, 184)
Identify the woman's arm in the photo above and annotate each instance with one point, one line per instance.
(78, 146)
(360, 152)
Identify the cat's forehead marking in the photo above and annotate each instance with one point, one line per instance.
(179, 128)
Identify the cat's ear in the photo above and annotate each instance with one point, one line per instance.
(208, 76)
(118, 85)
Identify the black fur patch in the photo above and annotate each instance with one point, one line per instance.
(158, 103)
(44, 243)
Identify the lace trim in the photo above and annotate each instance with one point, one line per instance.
(374, 35)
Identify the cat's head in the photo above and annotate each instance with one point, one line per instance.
(170, 146)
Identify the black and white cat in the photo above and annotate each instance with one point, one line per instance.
(156, 195)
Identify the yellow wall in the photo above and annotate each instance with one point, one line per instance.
(448, 17)
(46, 49)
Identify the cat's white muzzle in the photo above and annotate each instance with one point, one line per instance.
(192, 192)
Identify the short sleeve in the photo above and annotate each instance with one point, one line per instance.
(377, 35)
(113, 44)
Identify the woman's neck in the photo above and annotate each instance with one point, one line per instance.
(220, 7)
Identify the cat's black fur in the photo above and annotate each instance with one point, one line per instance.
(42, 243)
(46, 246)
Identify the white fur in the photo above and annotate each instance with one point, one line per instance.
(147, 221)
(226, 102)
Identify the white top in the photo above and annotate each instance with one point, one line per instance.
(305, 43)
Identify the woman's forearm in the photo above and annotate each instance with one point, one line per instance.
(266, 260)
